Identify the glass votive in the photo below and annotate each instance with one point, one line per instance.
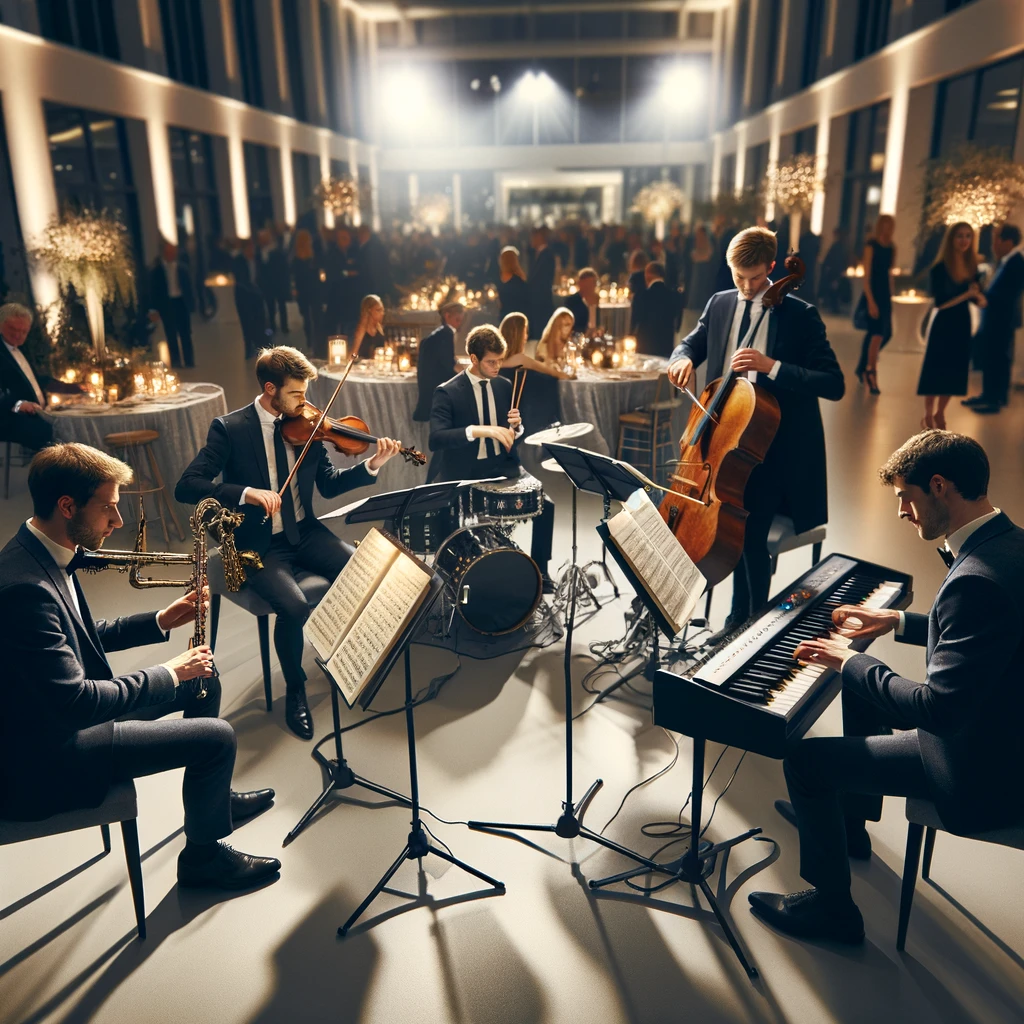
(597, 358)
(629, 344)
(171, 380)
(616, 359)
(139, 380)
(404, 363)
(54, 399)
(71, 375)
(96, 379)
(112, 394)
(337, 349)
(158, 385)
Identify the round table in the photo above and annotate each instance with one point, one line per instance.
(421, 322)
(614, 317)
(183, 421)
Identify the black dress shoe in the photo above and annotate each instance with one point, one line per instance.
(226, 869)
(974, 400)
(858, 842)
(809, 915)
(296, 714)
(985, 410)
(247, 805)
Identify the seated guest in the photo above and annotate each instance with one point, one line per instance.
(246, 452)
(436, 360)
(585, 302)
(513, 296)
(540, 405)
(658, 311)
(551, 347)
(958, 744)
(23, 395)
(476, 430)
(66, 734)
(171, 301)
(370, 325)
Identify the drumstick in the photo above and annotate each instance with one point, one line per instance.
(518, 386)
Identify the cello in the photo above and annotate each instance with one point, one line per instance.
(727, 435)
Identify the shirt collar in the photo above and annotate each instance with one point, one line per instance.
(760, 295)
(60, 554)
(267, 418)
(956, 540)
(1015, 251)
(473, 378)
(11, 348)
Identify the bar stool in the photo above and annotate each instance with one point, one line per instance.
(136, 447)
(647, 432)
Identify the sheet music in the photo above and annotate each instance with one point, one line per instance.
(378, 626)
(658, 559)
(333, 616)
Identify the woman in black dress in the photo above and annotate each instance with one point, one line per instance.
(513, 296)
(541, 405)
(879, 260)
(954, 284)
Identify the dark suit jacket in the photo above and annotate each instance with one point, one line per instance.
(435, 365)
(454, 409)
(969, 710)
(59, 695)
(234, 450)
(513, 297)
(581, 312)
(658, 311)
(272, 274)
(1001, 317)
(809, 371)
(15, 386)
(540, 283)
(158, 297)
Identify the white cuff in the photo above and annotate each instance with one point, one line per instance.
(17, 405)
(901, 625)
(519, 432)
(774, 371)
(469, 432)
(369, 468)
(241, 500)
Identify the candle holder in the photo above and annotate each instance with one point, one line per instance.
(337, 350)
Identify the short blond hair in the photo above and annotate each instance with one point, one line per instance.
(74, 470)
(752, 247)
(280, 363)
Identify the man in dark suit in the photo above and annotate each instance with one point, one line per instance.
(246, 450)
(960, 741)
(659, 310)
(585, 302)
(436, 358)
(540, 281)
(999, 321)
(172, 299)
(344, 285)
(466, 430)
(786, 351)
(374, 264)
(273, 279)
(70, 727)
(252, 314)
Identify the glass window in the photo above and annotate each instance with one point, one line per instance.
(15, 284)
(813, 30)
(652, 24)
(557, 27)
(739, 59)
(664, 98)
(387, 34)
(86, 24)
(475, 102)
(355, 72)
(435, 31)
(601, 25)
(306, 176)
(490, 28)
(755, 167)
(257, 180)
(328, 35)
(184, 42)
(247, 39)
(517, 104)
(556, 103)
(700, 25)
(727, 173)
(599, 98)
(196, 204)
(872, 32)
(805, 141)
(865, 163)
(293, 46)
(999, 93)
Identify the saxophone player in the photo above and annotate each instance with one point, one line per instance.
(71, 727)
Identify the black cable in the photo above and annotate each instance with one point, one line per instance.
(650, 778)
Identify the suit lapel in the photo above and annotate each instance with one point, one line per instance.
(12, 364)
(722, 312)
(773, 330)
(993, 528)
(259, 451)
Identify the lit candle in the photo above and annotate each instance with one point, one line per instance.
(404, 363)
(597, 358)
(95, 379)
(54, 399)
(158, 385)
(71, 375)
(112, 394)
(616, 359)
(172, 382)
(140, 383)
(337, 346)
(629, 344)
(604, 293)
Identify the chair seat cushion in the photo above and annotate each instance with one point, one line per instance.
(120, 804)
(924, 812)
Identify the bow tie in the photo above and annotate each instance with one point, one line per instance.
(947, 556)
(77, 561)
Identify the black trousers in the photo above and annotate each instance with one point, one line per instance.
(28, 429)
(543, 533)
(318, 551)
(252, 319)
(177, 323)
(752, 577)
(200, 742)
(997, 354)
(279, 305)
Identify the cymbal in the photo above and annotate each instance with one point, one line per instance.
(552, 466)
(555, 435)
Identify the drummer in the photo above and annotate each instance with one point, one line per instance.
(477, 432)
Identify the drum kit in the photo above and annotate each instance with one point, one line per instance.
(493, 585)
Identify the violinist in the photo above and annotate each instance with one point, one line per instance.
(248, 449)
(787, 352)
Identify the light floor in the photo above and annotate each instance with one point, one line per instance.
(492, 745)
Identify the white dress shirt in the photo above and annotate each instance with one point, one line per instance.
(60, 554)
(173, 284)
(757, 335)
(267, 421)
(487, 444)
(19, 358)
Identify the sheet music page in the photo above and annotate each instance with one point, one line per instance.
(333, 616)
(378, 626)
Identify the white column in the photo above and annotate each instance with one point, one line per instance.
(894, 140)
(414, 191)
(457, 202)
(374, 190)
(325, 173)
(715, 184)
(239, 189)
(741, 158)
(288, 183)
(163, 178)
(774, 141)
(821, 154)
(689, 176)
(353, 164)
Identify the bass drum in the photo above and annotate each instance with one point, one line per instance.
(496, 585)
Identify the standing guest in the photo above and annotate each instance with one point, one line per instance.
(786, 351)
(171, 300)
(541, 404)
(305, 271)
(513, 295)
(833, 286)
(23, 395)
(954, 283)
(1000, 319)
(702, 274)
(581, 246)
(246, 451)
(674, 244)
(66, 734)
(273, 279)
(540, 283)
(370, 325)
(615, 252)
(637, 285)
(557, 332)
(343, 284)
(374, 264)
(436, 359)
(585, 302)
(879, 262)
(660, 311)
(249, 300)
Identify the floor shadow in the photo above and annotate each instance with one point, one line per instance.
(39, 893)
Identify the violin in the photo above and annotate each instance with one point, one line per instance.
(349, 434)
(728, 433)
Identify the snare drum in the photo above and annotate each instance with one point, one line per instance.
(496, 585)
(508, 500)
(424, 532)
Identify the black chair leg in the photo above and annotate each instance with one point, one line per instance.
(915, 833)
(105, 831)
(929, 847)
(263, 625)
(815, 553)
(130, 834)
(214, 619)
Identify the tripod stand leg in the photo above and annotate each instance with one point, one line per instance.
(311, 813)
(727, 928)
(375, 892)
(584, 802)
(622, 876)
(444, 855)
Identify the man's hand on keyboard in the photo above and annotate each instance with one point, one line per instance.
(831, 653)
(856, 622)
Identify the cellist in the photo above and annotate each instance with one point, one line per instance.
(785, 350)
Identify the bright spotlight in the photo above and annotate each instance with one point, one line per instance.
(407, 101)
(536, 87)
(475, 85)
(495, 83)
(682, 86)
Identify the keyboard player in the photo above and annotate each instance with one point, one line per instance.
(960, 727)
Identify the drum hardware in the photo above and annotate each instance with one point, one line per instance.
(508, 501)
(558, 433)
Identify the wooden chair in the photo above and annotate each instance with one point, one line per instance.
(121, 805)
(924, 822)
(646, 438)
(136, 448)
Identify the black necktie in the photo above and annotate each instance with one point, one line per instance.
(744, 322)
(947, 556)
(291, 529)
(486, 414)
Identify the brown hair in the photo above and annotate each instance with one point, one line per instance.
(637, 260)
(656, 270)
(281, 363)
(956, 457)
(884, 220)
(752, 247)
(514, 329)
(508, 262)
(586, 272)
(483, 339)
(947, 255)
(71, 469)
(547, 338)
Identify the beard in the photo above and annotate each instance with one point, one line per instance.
(84, 535)
(934, 521)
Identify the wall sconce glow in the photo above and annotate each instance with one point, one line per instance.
(536, 86)
(682, 87)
